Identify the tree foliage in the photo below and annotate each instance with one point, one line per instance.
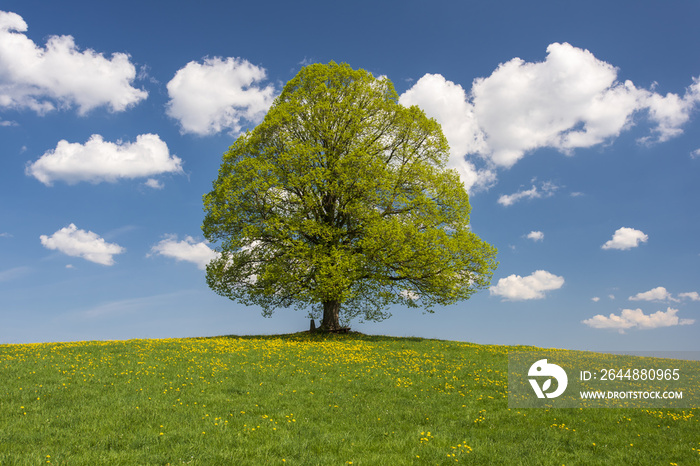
(340, 201)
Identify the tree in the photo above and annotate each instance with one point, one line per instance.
(340, 201)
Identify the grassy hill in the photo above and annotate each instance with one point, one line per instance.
(304, 399)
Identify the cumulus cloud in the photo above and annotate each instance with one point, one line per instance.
(59, 74)
(670, 112)
(154, 184)
(691, 295)
(695, 154)
(635, 318)
(186, 250)
(626, 238)
(219, 94)
(510, 199)
(534, 286)
(657, 294)
(536, 236)
(98, 160)
(80, 243)
(570, 100)
(595, 299)
(447, 102)
(546, 190)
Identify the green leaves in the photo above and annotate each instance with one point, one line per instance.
(342, 195)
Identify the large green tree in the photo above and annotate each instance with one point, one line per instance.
(340, 202)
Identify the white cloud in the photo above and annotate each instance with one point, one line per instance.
(98, 160)
(534, 286)
(186, 250)
(510, 199)
(671, 112)
(217, 95)
(447, 103)
(536, 236)
(695, 154)
(657, 294)
(153, 183)
(570, 100)
(635, 318)
(59, 75)
(547, 190)
(626, 238)
(691, 295)
(595, 299)
(80, 243)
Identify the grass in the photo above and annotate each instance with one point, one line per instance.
(304, 399)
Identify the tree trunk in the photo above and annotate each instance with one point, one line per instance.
(331, 313)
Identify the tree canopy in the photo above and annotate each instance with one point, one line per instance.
(340, 202)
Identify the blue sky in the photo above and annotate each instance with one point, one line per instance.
(574, 127)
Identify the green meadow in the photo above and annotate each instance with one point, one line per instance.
(305, 399)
